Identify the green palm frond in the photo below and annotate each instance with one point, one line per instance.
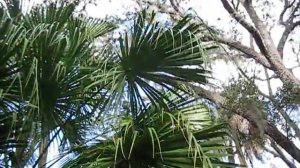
(11, 127)
(182, 137)
(11, 46)
(151, 54)
(59, 47)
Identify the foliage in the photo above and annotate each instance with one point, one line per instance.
(181, 137)
(151, 52)
(242, 93)
(56, 83)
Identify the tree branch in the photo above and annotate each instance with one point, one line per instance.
(249, 52)
(173, 12)
(282, 156)
(261, 27)
(288, 24)
(251, 29)
(283, 141)
(288, 29)
(269, 51)
(287, 5)
(269, 57)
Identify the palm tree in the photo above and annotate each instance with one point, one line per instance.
(55, 83)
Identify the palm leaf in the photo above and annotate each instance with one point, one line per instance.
(151, 54)
(160, 139)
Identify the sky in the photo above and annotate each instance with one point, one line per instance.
(212, 12)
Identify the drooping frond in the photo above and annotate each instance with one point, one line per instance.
(183, 137)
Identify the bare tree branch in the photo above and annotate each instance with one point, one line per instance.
(175, 6)
(278, 153)
(288, 29)
(249, 52)
(287, 5)
(282, 156)
(275, 154)
(275, 63)
(270, 52)
(261, 27)
(270, 77)
(251, 29)
(282, 141)
(288, 24)
(170, 10)
(271, 60)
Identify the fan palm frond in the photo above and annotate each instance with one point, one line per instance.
(151, 54)
(182, 137)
